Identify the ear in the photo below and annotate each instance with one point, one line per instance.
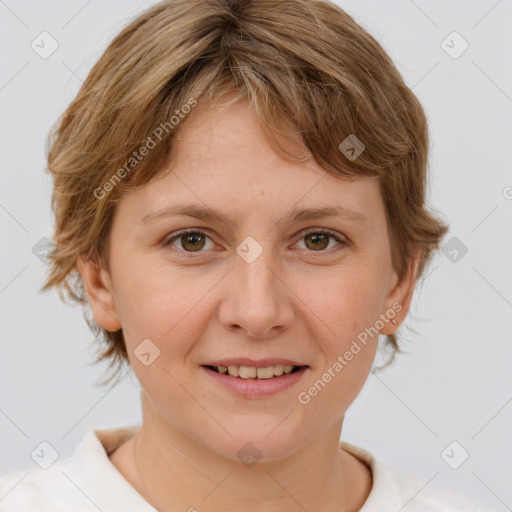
(400, 296)
(98, 289)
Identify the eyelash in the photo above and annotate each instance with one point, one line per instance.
(201, 232)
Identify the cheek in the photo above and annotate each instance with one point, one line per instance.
(349, 301)
(153, 297)
(350, 307)
(165, 306)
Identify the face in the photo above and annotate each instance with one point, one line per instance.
(264, 285)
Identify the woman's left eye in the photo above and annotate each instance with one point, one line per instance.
(320, 239)
(193, 240)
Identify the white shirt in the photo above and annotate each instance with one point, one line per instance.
(88, 482)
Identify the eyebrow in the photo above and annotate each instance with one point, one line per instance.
(297, 215)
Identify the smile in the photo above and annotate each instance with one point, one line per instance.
(252, 372)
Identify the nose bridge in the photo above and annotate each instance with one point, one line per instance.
(255, 266)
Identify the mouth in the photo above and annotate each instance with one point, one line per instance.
(254, 379)
(255, 372)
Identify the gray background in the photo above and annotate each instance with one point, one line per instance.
(455, 385)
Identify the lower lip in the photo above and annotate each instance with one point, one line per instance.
(256, 387)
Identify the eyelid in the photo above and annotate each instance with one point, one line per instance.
(335, 234)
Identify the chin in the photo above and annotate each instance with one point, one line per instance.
(265, 444)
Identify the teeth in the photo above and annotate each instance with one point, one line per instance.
(265, 373)
(247, 372)
(233, 371)
(251, 372)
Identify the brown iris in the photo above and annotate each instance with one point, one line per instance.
(193, 241)
(320, 240)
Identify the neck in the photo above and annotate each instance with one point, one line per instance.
(174, 472)
(172, 480)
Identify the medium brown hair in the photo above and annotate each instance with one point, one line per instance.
(304, 61)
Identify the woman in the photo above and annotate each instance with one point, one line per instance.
(239, 197)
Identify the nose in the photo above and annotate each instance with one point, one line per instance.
(257, 297)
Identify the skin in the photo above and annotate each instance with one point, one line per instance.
(293, 301)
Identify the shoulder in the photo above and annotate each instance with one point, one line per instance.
(24, 491)
(85, 482)
(52, 489)
(62, 487)
(423, 496)
(392, 490)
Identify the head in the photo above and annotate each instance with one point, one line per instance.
(213, 105)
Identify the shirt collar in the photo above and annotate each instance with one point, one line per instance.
(90, 463)
(384, 495)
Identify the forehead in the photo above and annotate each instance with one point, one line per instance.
(221, 160)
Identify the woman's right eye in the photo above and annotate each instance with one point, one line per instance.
(190, 240)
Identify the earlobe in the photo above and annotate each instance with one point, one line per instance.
(98, 289)
(399, 299)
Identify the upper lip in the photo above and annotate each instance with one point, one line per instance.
(257, 363)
